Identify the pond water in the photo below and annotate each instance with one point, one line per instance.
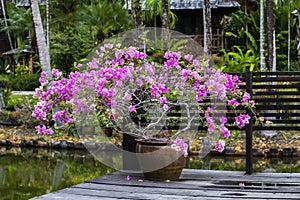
(26, 173)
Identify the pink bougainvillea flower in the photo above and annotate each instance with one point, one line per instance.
(180, 146)
(242, 185)
(128, 178)
(242, 120)
(131, 108)
(163, 100)
(165, 107)
(233, 102)
(219, 146)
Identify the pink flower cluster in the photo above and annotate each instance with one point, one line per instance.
(242, 120)
(219, 146)
(123, 71)
(180, 146)
(51, 95)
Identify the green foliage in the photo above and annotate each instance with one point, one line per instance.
(238, 61)
(5, 86)
(4, 81)
(104, 19)
(154, 10)
(24, 82)
(235, 25)
(8, 116)
(19, 25)
(69, 46)
(19, 110)
(238, 22)
(20, 101)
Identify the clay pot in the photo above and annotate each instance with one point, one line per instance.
(158, 161)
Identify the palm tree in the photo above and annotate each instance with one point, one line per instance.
(136, 12)
(289, 35)
(298, 37)
(207, 27)
(165, 16)
(262, 38)
(105, 18)
(155, 9)
(47, 25)
(271, 35)
(40, 37)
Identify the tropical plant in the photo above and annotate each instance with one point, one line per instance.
(136, 13)
(69, 46)
(18, 25)
(63, 14)
(4, 21)
(238, 61)
(105, 19)
(255, 24)
(153, 9)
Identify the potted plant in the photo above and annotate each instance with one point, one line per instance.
(141, 95)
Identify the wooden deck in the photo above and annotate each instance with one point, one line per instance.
(194, 184)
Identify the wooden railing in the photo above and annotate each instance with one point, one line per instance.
(277, 99)
(219, 41)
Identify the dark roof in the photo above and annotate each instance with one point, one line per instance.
(198, 4)
(194, 4)
(26, 3)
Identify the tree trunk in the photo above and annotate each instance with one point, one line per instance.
(289, 35)
(207, 28)
(40, 37)
(165, 16)
(5, 21)
(271, 29)
(136, 11)
(262, 38)
(47, 25)
(298, 40)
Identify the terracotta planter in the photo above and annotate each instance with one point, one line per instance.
(158, 161)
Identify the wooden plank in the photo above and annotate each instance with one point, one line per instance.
(67, 196)
(282, 93)
(278, 127)
(276, 79)
(294, 73)
(272, 87)
(194, 184)
(276, 100)
(277, 107)
(172, 193)
(282, 115)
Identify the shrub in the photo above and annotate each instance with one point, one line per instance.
(25, 82)
(19, 101)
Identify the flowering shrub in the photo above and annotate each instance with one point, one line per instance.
(138, 94)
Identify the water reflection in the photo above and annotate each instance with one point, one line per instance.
(231, 163)
(26, 173)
